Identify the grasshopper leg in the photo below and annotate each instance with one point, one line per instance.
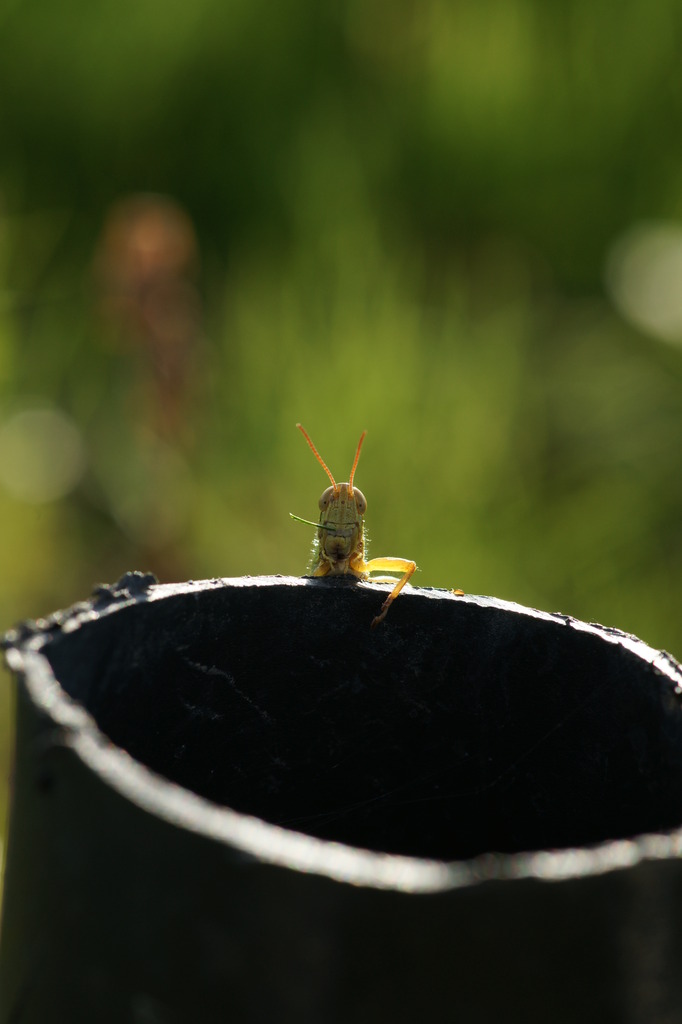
(388, 564)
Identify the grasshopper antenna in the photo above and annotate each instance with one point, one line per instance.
(355, 462)
(321, 461)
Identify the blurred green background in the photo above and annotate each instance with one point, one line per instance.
(458, 225)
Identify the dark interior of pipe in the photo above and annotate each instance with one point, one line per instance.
(453, 729)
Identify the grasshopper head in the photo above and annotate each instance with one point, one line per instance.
(340, 530)
(345, 497)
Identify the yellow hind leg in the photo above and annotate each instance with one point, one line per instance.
(403, 565)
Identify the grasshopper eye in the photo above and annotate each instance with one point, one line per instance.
(360, 500)
(325, 498)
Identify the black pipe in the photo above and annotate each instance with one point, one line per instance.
(235, 802)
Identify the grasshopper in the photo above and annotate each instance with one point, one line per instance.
(339, 547)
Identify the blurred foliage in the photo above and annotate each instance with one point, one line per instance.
(385, 216)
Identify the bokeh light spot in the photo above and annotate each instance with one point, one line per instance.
(42, 456)
(644, 278)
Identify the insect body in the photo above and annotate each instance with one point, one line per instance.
(340, 540)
